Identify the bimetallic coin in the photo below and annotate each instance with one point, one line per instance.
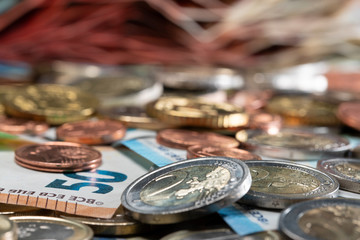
(39, 227)
(54, 104)
(197, 113)
(345, 170)
(303, 110)
(293, 144)
(348, 113)
(22, 126)
(91, 132)
(210, 151)
(266, 235)
(182, 139)
(215, 234)
(325, 219)
(132, 117)
(58, 157)
(186, 190)
(8, 229)
(278, 184)
(119, 224)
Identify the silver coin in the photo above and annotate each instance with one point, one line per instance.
(39, 227)
(266, 235)
(7, 229)
(293, 144)
(187, 189)
(213, 234)
(345, 170)
(322, 219)
(278, 184)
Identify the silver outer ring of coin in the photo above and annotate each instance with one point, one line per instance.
(239, 183)
(296, 153)
(7, 228)
(346, 182)
(81, 231)
(289, 217)
(328, 188)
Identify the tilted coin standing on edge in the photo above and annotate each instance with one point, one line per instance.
(182, 139)
(293, 144)
(8, 229)
(345, 170)
(186, 190)
(322, 219)
(39, 227)
(278, 184)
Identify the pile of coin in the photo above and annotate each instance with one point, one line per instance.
(287, 154)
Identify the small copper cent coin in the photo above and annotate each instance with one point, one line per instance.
(209, 151)
(58, 157)
(91, 132)
(182, 139)
(22, 126)
(348, 113)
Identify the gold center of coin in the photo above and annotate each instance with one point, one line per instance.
(278, 180)
(185, 186)
(349, 170)
(332, 222)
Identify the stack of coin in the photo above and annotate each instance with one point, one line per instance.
(58, 157)
(92, 132)
(55, 104)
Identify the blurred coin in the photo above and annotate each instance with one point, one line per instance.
(196, 151)
(345, 170)
(322, 219)
(355, 152)
(186, 190)
(251, 100)
(182, 139)
(22, 126)
(215, 234)
(293, 144)
(58, 157)
(39, 227)
(119, 224)
(265, 121)
(92, 132)
(132, 117)
(266, 235)
(200, 78)
(197, 113)
(5, 90)
(55, 104)
(8, 229)
(348, 113)
(278, 184)
(303, 110)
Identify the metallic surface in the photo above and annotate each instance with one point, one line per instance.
(322, 219)
(187, 189)
(348, 113)
(211, 234)
(266, 235)
(91, 132)
(39, 227)
(8, 229)
(345, 170)
(278, 184)
(182, 139)
(210, 151)
(22, 126)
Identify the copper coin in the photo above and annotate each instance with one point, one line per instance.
(182, 139)
(58, 157)
(265, 121)
(210, 151)
(91, 132)
(22, 126)
(349, 113)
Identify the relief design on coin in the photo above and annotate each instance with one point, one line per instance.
(278, 184)
(185, 185)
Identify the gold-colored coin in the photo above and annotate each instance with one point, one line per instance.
(119, 224)
(55, 104)
(304, 110)
(197, 113)
(4, 91)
